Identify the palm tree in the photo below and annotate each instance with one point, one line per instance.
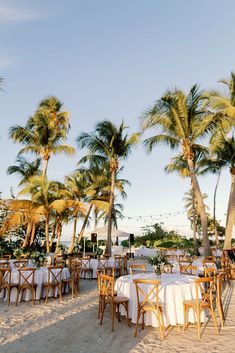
(44, 133)
(108, 143)
(181, 121)
(223, 150)
(25, 169)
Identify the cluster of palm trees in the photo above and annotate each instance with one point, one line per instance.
(198, 125)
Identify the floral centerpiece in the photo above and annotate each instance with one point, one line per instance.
(157, 262)
(37, 258)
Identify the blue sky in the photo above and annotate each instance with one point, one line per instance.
(109, 59)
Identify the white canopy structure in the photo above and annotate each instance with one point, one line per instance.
(102, 233)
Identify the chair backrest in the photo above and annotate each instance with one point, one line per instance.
(204, 290)
(5, 275)
(58, 261)
(188, 270)
(6, 257)
(184, 258)
(55, 274)
(219, 283)
(185, 262)
(109, 271)
(208, 263)
(20, 263)
(166, 268)
(103, 263)
(210, 272)
(137, 268)
(26, 276)
(106, 285)
(149, 296)
(209, 258)
(118, 261)
(85, 262)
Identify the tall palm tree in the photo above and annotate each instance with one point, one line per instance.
(108, 143)
(25, 169)
(181, 120)
(44, 133)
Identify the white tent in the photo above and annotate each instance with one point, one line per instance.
(102, 233)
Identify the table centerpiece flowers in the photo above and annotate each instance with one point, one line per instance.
(37, 258)
(157, 262)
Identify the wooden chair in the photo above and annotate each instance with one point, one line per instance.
(54, 281)
(148, 301)
(185, 262)
(219, 304)
(74, 279)
(5, 282)
(59, 261)
(188, 270)
(203, 302)
(20, 263)
(26, 281)
(86, 269)
(5, 264)
(137, 268)
(210, 272)
(208, 264)
(6, 257)
(118, 265)
(107, 294)
(125, 265)
(225, 270)
(108, 272)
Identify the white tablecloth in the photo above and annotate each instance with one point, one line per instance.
(41, 275)
(173, 290)
(144, 252)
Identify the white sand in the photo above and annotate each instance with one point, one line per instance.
(73, 327)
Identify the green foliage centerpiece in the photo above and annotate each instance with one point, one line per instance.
(37, 258)
(157, 262)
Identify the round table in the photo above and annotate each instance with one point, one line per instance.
(173, 290)
(41, 276)
(94, 265)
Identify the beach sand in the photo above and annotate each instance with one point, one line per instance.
(72, 326)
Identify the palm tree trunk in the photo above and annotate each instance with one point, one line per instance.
(194, 226)
(201, 207)
(52, 236)
(47, 233)
(231, 213)
(214, 209)
(108, 249)
(33, 234)
(59, 232)
(27, 236)
(84, 224)
(72, 242)
(44, 171)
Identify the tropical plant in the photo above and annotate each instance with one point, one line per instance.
(108, 143)
(181, 121)
(25, 169)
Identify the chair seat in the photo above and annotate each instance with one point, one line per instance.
(87, 269)
(119, 300)
(149, 307)
(25, 286)
(51, 284)
(193, 302)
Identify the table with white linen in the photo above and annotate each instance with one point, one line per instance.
(198, 263)
(11, 263)
(173, 290)
(41, 276)
(94, 266)
(176, 252)
(144, 252)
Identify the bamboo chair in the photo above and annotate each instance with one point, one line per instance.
(86, 269)
(204, 289)
(20, 263)
(108, 296)
(5, 282)
(148, 301)
(54, 281)
(26, 281)
(137, 268)
(188, 270)
(75, 274)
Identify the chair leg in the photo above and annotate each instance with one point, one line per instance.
(143, 320)
(113, 315)
(127, 314)
(103, 305)
(137, 323)
(161, 325)
(198, 324)
(60, 292)
(185, 317)
(17, 298)
(47, 291)
(221, 312)
(8, 296)
(214, 320)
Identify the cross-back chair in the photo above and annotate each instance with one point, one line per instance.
(108, 296)
(5, 264)
(208, 264)
(20, 263)
(219, 304)
(74, 279)
(210, 272)
(118, 265)
(188, 270)
(137, 268)
(148, 300)
(26, 281)
(86, 267)
(203, 302)
(6, 283)
(54, 281)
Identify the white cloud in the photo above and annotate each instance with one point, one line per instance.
(10, 15)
